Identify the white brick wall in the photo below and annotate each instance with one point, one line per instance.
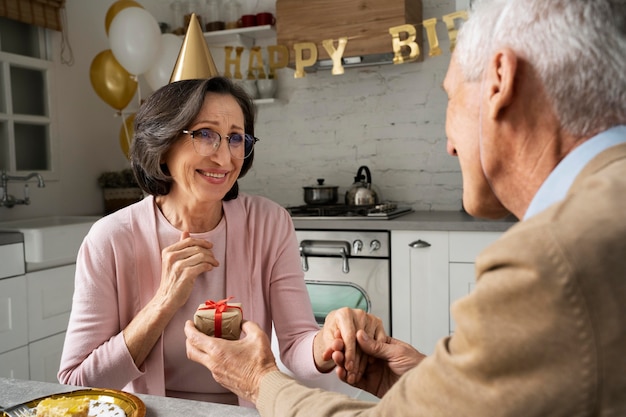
(390, 118)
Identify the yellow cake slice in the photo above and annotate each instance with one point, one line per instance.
(63, 407)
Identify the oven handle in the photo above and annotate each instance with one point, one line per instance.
(325, 248)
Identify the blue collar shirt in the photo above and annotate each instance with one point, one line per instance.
(559, 181)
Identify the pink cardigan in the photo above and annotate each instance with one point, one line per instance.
(118, 271)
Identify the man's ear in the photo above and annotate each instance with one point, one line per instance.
(500, 81)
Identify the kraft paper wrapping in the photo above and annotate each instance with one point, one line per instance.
(207, 316)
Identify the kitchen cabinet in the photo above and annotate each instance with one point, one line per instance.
(50, 294)
(13, 309)
(45, 358)
(14, 363)
(13, 313)
(34, 312)
(464, 248)
(50, 300)
(429, 271)
(365, 23)
(12, 260)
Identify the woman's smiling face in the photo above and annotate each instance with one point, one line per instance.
(204, 179)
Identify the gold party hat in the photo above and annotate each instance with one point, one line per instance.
(194, 59)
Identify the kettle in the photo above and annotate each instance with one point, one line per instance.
(361, 192)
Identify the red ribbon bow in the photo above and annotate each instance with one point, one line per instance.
(219, 308)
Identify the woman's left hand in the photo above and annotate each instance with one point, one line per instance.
(339, 334)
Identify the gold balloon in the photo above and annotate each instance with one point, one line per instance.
(111, 81)
(126, 134)
(115, 9)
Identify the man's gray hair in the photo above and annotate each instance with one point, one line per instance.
(576, 47)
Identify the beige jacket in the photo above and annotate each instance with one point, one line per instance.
(543, 334)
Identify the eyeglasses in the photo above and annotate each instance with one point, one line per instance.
(207, 141)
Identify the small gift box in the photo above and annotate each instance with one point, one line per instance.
(219, 319)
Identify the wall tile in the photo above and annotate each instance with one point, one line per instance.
(390, 118)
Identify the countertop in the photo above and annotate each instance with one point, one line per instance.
(417, 220)
(15, 391)
(6, 238)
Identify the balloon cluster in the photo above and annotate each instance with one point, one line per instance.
(137, 47)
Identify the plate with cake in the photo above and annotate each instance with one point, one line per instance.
(87, 403)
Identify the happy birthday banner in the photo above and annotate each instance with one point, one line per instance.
(402, 38)
(137, 47)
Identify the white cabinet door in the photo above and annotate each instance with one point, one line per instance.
(13, 313)
(12, 260)
(464, 248)
(50, 294)
(45, 358)
(419, 287)
(14, 364)
(462, 282)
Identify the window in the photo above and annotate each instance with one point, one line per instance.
(26, 116)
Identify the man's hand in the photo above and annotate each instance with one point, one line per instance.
(238, 365)
(343, 324)
(389, 359)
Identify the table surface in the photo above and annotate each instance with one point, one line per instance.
(15, 391)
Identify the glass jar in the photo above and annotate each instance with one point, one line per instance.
(212, 16)
(231, 12)
(193, 6)
(178, 20)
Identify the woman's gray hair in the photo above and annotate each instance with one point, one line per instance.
(162, 118)
(577, 48)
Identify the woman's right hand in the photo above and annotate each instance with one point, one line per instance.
(181, 264)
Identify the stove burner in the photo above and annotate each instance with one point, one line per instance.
(383, 210)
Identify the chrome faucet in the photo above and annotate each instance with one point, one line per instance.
(7, 199)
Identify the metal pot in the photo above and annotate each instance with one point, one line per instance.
(361, 192)
(320, 193)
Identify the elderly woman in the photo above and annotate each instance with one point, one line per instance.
(143, 270)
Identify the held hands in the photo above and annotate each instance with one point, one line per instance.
(389, 359)
(181, 263)
(339, 335)
(238, 365)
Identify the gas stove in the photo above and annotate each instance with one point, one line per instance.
(383, 211)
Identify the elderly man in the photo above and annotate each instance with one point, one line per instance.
(537, 118)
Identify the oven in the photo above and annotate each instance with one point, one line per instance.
(347, 268)
(344, 268)
(350, 267)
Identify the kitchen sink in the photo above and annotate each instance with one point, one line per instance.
(51, 241)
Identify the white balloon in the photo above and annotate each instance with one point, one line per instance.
(135, 39)
(161, 71)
